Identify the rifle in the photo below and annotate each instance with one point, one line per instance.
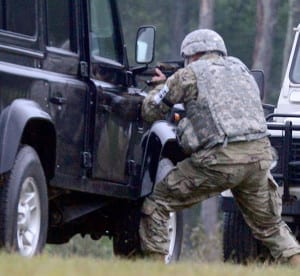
(167, 67)
(170, 67)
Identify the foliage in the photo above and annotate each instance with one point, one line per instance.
(85, 247)
(157, 13)
(199, 246)
(276, 69)
(235, 20)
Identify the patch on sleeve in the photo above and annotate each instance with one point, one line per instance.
(161, 94)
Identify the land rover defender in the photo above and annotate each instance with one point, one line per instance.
(75, 154)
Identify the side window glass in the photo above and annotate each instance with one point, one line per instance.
(295, 73)
(19, 16)
(102, 30)
(60, 16)
(2, 16)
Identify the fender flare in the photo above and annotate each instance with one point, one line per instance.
(13, 121)
(159, 142)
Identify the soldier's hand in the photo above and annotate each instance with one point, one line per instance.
(159, 77)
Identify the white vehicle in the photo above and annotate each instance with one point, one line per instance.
(284, 128)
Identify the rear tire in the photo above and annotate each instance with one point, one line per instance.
(126, 239)
(24, 206)
(126, 233)
(239, 245)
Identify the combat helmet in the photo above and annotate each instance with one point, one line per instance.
(202, 40)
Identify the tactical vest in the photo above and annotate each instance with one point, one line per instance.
(228, 107)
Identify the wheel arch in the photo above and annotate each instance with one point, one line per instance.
(160, 142)
(24, 122)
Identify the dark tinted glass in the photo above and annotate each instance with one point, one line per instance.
(59, 19)
(102, 30)
(1, 14)
(20, 16)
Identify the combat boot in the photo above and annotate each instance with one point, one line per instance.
(295, 260)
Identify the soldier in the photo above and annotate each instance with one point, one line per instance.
(224, 134)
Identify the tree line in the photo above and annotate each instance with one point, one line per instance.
(259, 32)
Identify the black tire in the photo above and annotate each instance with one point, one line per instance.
(126, 233)
(239, 245)
(126, 240)
(126, 237)
(24, 206)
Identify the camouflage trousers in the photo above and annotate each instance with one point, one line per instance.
(241, 167)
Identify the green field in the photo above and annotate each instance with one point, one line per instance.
(54, 265)
(83, 256)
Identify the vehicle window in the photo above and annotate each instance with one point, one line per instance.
(102, 30)
(295, 73)
(14, 12)
(59, 24)
(1, 16)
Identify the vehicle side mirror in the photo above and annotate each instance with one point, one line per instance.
(260, 80)
(145, 44)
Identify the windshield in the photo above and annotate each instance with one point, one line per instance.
(295, 72)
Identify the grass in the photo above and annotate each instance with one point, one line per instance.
(83, 256)
(69, 266)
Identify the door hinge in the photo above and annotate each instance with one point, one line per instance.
(84, 69)
(86, 158)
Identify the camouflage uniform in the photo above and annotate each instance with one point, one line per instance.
(225, 134)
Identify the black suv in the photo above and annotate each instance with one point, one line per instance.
(75, 155)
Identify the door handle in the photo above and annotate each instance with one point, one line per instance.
(58, 100)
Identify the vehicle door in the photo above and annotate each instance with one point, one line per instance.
(67, 93)
(116, 151)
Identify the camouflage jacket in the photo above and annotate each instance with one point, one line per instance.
(221, 100)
